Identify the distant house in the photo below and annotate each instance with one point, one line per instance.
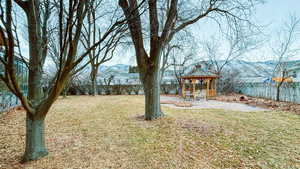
(126, 74)
(289, 72)
(294, 72)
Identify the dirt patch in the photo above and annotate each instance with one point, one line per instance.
(139, 117)
(141, 122)
(202, 128)
(261, 102)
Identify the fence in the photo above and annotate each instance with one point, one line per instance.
(120, 89)
(7, 99)
(289, 92)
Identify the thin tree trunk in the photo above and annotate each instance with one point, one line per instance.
(66, 89)
(94, 87)
(162, 72)
(65, 94)
(93, 77)
(151, 86)
(278, 93)
(35, 139)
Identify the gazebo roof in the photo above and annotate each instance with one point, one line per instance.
(198, 72)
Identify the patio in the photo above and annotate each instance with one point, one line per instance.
(170, 101)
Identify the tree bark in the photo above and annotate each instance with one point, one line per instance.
(151, 86)
(278, 93)
(94, 87)
(35, 139)
(94, 73)
(65, 93)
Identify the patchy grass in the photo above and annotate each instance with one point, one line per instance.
(108, 132)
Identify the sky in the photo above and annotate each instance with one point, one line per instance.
(271, 14)
(274, 11)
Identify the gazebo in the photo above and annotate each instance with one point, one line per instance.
(199, 83)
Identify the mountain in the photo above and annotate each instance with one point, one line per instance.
(245, 69)
(121, 68)
(259, 69)
(251, 69)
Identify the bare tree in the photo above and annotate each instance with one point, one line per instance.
(179, 44)
(160, 35)
(107, 84)
(165, 60)
(136, 88)
(235, 46)
(220, 51)
(92, 33)
(284, 49)
(180, 66)
(70, 19)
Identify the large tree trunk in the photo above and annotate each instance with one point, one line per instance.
(151, 86)
(35, 139)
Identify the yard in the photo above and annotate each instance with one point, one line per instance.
(109, 132)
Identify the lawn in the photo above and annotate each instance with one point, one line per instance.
(109, 132)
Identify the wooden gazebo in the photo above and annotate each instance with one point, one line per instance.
(199, 83)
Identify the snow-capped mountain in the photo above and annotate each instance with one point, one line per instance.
(245, 69)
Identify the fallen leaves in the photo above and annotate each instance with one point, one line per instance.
(110, 132)
(261, 102)
(177, 103)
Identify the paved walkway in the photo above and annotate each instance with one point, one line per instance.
(212, 104)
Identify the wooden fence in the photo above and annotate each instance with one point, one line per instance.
(289, 92)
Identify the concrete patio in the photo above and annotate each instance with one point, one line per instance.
(210, 104)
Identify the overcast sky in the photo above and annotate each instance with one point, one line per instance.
(273, 13)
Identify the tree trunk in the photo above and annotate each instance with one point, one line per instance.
(278, 93)
(151, 86)
(94, 87)
(162, 72)
(93, 77)
(66, 89)
(64, 94)
(35, 139)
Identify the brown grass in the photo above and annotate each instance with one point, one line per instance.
(109, 132)
(177, 103)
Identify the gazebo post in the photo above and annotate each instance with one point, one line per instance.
(194, 87)
(207, 88)
(206, 77)
(183, 87)
(216, 86)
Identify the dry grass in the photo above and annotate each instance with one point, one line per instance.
(108, 132)
(177, 103)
